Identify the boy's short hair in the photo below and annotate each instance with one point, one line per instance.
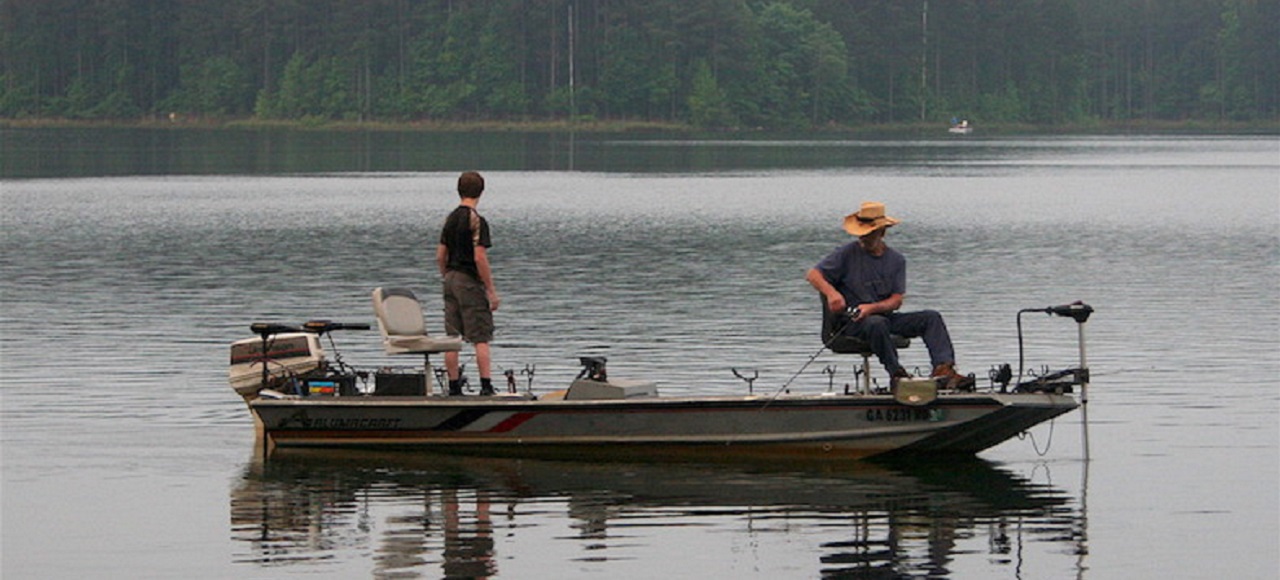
(470, 184)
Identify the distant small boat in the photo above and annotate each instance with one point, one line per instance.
(961, 128)
(300, 398)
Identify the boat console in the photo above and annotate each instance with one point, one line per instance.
(593, 383)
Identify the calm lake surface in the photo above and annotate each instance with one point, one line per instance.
(132, 259)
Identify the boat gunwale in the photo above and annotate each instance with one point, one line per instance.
(726, 402)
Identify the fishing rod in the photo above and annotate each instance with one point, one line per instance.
(850, 314)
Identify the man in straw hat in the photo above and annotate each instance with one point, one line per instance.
(869, 280)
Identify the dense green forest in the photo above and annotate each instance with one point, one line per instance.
(707, 63)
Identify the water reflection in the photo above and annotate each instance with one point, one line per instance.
(463, 516)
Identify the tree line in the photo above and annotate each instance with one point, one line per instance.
(709, 63)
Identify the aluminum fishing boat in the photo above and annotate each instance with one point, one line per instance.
(300, 397)
(960, 128)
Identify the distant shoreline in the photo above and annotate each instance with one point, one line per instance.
(1191, 127)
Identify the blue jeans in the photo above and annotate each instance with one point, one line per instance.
(927, 324)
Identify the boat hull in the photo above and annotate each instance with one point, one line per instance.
(790, 426)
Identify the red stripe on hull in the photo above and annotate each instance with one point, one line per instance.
(512, 422)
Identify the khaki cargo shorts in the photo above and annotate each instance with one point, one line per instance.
(466, 308)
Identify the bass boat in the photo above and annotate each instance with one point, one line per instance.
(299, 396)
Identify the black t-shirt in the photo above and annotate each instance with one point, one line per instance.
(464, 229)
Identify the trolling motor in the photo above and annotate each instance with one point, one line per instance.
(1056, 382)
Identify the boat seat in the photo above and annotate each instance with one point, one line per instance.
(832, 323)
(404, 330)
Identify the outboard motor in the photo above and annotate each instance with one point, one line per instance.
(277, 354)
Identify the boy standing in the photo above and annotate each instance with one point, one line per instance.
(469, 294)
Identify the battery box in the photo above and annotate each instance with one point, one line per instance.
(335, 386)
(399, 384)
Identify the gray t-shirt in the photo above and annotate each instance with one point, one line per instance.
(862, 278)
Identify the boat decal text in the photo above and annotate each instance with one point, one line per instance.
(904, 415)
(302, 421)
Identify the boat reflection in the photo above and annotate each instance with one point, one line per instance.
(411, 513)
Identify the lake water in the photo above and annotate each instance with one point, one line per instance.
(131, 260)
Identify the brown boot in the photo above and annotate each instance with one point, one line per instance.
(951, 380)
(898, 375)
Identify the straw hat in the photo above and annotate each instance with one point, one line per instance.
(869, 218)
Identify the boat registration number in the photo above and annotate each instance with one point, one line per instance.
(904, 415)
